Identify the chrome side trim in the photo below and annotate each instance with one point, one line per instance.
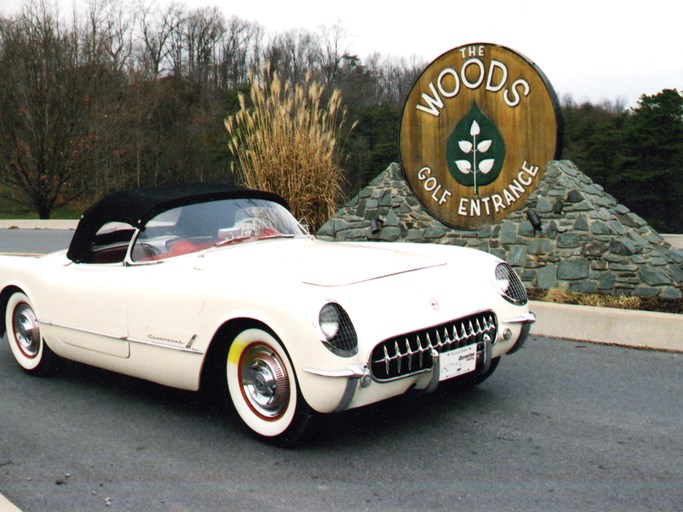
(180, 348)
(86, 331)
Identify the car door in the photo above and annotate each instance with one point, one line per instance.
(88, 309)
(165, 307)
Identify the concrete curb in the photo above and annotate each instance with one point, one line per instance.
(639, 329)
(676, 241)
(38, 224)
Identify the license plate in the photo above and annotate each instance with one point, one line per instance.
(457, 362)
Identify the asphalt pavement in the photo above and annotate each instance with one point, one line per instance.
(560, 426)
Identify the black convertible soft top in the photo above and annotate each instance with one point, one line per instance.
(136, 207)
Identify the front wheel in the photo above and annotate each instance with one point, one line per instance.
(25, 340)
(263, 388)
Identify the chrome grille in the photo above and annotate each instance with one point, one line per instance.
(411, 353)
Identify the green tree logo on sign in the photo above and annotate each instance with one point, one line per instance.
(475, 150)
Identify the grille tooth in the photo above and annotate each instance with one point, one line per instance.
(455, 336)
(411, 353)
(387, 360)
(420, 351)
(448, 341)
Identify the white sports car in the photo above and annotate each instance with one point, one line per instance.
(220, 286)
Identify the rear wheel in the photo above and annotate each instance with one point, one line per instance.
(263, 388)
(25, 340)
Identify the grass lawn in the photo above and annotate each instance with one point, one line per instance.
(11, 210)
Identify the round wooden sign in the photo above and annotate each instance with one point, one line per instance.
(477, 131)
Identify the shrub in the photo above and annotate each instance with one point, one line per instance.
(287, 142)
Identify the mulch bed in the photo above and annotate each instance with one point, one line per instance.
(646, 303)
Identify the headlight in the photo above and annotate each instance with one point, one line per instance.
(329, 321)
(509, 285)
(336, 327)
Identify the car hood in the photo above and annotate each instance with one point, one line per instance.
(336, 264)
(323, 263)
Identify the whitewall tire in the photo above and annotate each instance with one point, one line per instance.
(263, 388)
(24, 337)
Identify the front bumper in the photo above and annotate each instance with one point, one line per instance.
(525, 320)
(360, 377)
(355, 375)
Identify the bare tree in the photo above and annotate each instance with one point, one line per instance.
(203, 30)
(293, 55)
(133, 93)
(159, 28)
(51, 106)
(106, 33)
(117, 34)
(238, 53)
(335, 49)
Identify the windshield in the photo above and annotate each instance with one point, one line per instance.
(195, 227)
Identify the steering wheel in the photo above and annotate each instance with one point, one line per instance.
(251, 226)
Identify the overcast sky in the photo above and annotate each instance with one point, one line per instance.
(592, 49)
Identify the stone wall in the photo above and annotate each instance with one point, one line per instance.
(587, 242)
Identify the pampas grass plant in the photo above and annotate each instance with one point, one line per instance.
(287, 142)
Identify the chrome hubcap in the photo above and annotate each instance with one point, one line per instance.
(264, 381)
(26, 330)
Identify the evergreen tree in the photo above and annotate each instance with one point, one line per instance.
(650, 164)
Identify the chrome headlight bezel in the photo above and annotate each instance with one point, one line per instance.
(508, 284)
(338, 334)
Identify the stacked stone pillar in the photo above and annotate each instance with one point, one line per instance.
(587, 241)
